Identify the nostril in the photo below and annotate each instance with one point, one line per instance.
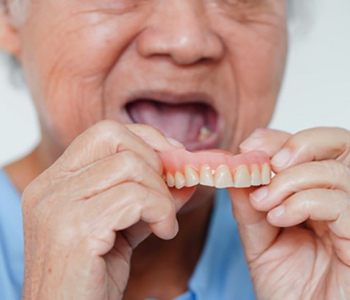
(184, 46)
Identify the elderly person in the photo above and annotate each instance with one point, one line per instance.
(99, 221)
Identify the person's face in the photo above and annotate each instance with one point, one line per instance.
(86, 61)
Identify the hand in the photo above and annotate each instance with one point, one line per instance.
(296, 231)
(84, 215)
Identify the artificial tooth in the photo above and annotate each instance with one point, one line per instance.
(266, 174)
(170, 180)
(206, 176)
(255, 174)
(180, 180)
(204, 133)
(223, 177)
(242, 177)
(191, 176)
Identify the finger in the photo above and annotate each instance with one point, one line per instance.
(331, 206)
(321, 174)
(256, 233)
(139, 232)
(182, 196)
(107, 138)
(129, 203)
(267, 140)
(317, 205)
(154, 137)
(313, 144)
(104, 174)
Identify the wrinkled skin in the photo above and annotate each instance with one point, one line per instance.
(82, 61)
(296, 231)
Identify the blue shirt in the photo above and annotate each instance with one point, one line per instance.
(221, 272)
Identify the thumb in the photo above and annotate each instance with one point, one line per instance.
(140, 231)
(267, 140)
(256, 233)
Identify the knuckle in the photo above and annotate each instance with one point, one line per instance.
(131, 162)
(106, 131)
(134, 167)
(133, 192)
(336, 169)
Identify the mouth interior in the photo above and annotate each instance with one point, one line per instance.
(186, 122)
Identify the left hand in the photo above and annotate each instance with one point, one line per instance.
(296, 231)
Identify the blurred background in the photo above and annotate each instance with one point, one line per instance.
(316, 91)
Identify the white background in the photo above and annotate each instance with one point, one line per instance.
(316, 91)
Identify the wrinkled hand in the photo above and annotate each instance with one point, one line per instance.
(84, 215)
(296, 231)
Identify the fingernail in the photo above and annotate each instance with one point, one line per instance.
(277, 212)
(282, 158)
(260, 194)
(175, 143)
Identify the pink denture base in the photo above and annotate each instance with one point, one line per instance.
(176, 160)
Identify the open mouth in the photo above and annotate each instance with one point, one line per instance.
(194, 123)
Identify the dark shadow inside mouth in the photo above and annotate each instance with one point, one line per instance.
(188, 122)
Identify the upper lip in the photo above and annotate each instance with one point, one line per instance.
(171, 97)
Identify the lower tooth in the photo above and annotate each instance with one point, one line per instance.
(204, 133)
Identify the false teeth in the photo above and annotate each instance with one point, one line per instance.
(223, 177)
(241, 177)
(265, 174)
(191, 176)
(170, 180)
(206, 176)
(180, 180)
(255, 176)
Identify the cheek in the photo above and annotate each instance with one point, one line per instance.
(257, 59)
(67, 58)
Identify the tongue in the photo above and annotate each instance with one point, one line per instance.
(182, 122)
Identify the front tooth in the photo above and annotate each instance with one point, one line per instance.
(170, 180)
(223, 177)
(266, 174)
(179, 180)
(256, 177)
(242, 177)
(206, 176)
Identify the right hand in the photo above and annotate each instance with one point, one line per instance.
(85, 214)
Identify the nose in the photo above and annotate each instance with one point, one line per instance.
(180, 31)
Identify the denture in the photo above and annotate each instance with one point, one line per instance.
(215, 168)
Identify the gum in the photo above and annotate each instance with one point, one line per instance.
(176, 160)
